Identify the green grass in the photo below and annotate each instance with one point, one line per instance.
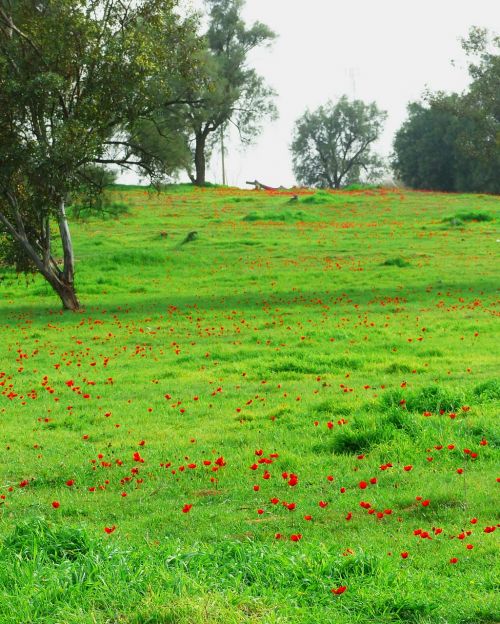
(340, 338)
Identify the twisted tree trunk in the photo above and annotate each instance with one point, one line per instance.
(40, 254)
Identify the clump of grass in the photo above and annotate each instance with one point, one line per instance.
(361, 187)
(138, 258)
(37, 539)
(354, 440)
(397, 367)
(431, 399)
(277, 216)
(467, 217)
(398, 262)
(321, 197)
(242, 200)
(487, 391)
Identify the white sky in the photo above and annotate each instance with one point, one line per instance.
(387, 51)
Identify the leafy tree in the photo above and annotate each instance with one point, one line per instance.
(425, 148)
(479, 142)
(74, 75)
(232, 93)
(452, 142)
(332, 146)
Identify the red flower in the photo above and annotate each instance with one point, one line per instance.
(186, 508)
(260, 511)
(404, 555)
(408, 468)
(453, 560)
(308, 517)
(339, 590)
(109, 530)
(70, 482)
(322, 504)
(363, 485)
(56, 504)
(295, 537)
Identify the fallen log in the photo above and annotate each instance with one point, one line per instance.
(263, 187)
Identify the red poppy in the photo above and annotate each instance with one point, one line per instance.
(338, 590)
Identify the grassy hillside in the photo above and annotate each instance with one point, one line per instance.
(303, 399)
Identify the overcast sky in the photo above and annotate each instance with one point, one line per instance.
(387, 51)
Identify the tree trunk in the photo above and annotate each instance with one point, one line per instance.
(61, 281)
(65, 291)
(199, 159)
(64, 286)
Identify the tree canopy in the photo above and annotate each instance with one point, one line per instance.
(332, 146)
(228, 92)
(74, 75)
(451, 142)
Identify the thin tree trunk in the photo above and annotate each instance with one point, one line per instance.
(66, 287)
(199, 159)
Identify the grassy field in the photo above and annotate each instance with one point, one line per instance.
(303, 399)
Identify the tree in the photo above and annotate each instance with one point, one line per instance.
(424, 148)
(232, 93)
(332, 146)
(74, 75)
(479, 142)
(451, 142)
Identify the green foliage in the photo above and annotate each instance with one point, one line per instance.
(228, 91)
(424, 148)
(332, 146)
(488, 390)
(290, 216)
(398, 262)
(429, 399)
(462, 217)
(73, 77)
(108, 210)
(321, 197)
(37, 539)
(451, 143)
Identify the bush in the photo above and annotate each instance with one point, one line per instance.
(398, 262)
(108, 210)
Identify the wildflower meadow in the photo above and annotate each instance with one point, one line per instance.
(289, 416)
